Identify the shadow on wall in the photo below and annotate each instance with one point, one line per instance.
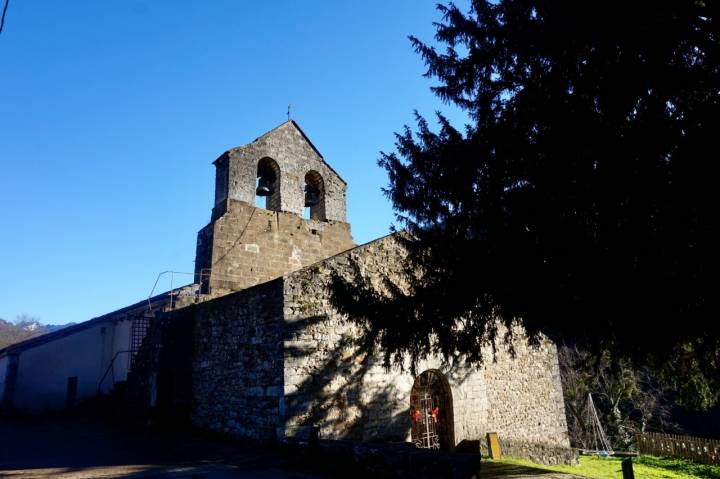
(281, 356)
(347, 393)
(337, 376)
(340, 393)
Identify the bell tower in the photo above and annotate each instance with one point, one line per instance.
(278, 207)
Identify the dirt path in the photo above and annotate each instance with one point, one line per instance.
(62, 447)
(494, 470)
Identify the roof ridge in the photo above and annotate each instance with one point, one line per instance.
(302, 133)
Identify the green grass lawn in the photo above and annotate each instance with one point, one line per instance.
(645, 467)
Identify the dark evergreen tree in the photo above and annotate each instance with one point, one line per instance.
(579, 197)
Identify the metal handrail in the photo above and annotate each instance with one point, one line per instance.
(172, 277)
(172, 280)
(203, 272)
(111, 367)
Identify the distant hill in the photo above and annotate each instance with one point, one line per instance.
(24, 328)
(54, 327)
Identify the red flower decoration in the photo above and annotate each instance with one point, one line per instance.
(415, 415)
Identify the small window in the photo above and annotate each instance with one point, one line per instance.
(71, 396)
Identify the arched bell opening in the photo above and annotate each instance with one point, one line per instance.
(267, 185)
(431, 412)
(314, 196)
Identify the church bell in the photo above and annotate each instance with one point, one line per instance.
(265, 187)
(266, 181)
(312, 196)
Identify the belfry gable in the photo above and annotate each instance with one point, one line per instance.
(293, 173)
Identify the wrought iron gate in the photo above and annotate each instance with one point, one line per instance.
(429, 410)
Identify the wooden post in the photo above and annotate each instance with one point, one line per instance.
(493, 445)
(627, 469)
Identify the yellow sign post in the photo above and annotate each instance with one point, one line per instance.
(493, 445)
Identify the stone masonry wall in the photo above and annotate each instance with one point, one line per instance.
(237, 364)
(526, 394)
(246, 246)
(327, 384)
(295, 156)
(324, 381)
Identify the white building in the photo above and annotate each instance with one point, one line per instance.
(59, 369)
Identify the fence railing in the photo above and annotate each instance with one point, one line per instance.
(697, 449)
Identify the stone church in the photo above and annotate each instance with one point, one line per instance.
(254, 347)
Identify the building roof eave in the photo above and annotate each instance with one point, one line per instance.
(75, 328)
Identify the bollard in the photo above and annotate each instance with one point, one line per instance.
(627, 469)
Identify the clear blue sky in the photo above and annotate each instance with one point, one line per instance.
(111, 113)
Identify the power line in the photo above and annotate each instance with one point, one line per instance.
(2, 20)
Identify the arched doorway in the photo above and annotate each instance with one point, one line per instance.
(431, 411)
